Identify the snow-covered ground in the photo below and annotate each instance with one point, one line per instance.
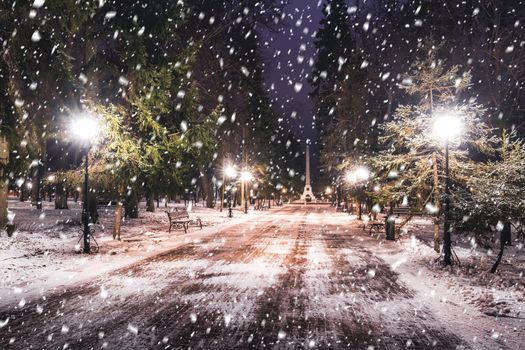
(292, 277)
(500, 294)
(43, 254)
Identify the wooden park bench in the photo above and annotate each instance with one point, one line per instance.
(261, 207)
(180, 219)
(378, 224)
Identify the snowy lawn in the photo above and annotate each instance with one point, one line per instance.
(501, 294)
(43, 256)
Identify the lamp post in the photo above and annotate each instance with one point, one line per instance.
(229, 189)
(230, 172)
(447, 127)
(351, 180)
(223, 184)
(86, 129)
(245, 177)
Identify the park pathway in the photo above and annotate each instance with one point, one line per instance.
(298, 277)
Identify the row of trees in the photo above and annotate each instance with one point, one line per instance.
(384, 71)
(177, 87)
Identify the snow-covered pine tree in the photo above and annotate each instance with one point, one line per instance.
(338, 84)
(410, 167)
(493, 193)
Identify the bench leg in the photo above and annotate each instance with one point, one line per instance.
(185, 228)
(200, 223)
(169, 231)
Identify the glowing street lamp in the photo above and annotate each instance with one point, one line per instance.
(447, 127)
(362, 174)
(230, 172)
(86, 129)
(246, 176)
(358, 177)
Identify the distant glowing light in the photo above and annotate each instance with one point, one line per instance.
(246, 176)
(358, 175)
(230, 172)
(351, 177)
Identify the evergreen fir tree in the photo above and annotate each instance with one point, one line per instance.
(339, 83)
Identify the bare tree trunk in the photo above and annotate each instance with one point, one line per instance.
(23, 192)
(36, 189)
(118, 221)
(4, 157)
(93, 212)
(505, 233)
(390, 225)
(206, 188)
(60, 195)
(132, 205)
(150, 202)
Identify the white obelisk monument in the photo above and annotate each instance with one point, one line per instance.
(308, 195)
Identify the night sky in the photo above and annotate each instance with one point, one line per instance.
(289, 54)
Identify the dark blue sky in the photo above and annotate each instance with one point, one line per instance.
(288, 56)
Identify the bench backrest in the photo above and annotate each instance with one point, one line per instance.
(401, 211)
(178, 214)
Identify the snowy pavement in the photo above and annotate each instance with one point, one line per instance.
(292, 277)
